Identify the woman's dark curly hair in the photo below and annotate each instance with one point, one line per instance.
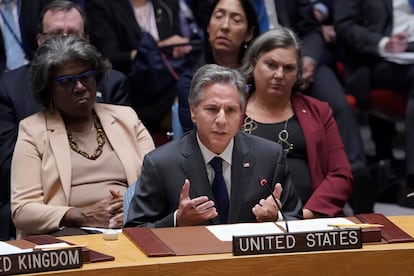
(55, 52)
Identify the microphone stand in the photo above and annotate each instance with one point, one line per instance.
(263, 182)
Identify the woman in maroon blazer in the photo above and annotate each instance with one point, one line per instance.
(304, 126)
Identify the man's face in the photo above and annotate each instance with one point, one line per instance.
(217, 116)
(57, 22)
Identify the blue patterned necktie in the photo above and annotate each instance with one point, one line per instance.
(260, 9)
(220, 190)
(15, 55)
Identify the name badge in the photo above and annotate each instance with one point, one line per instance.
(297, 242)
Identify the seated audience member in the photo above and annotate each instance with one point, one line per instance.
(59, 17)
(199, 9)
(118, 28)
(231, 27)
(14, 51)
(321, 82)
(73, 160)
(304, 126)
(377, 37)
(212, 174)
(323, 12)
(18, 32)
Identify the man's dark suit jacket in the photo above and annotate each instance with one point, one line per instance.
(298, 16)
(115, 33)
(360, 25)
(16, 103)
(164, 170)
(29, 18)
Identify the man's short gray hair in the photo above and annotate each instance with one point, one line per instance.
(213, 73)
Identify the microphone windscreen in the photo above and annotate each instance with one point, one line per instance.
(263, 182)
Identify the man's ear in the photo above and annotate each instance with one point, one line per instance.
(193, 117)
(39, 39)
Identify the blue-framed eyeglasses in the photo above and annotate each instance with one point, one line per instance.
(68, 82)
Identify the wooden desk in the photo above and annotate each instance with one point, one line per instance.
(374, 259)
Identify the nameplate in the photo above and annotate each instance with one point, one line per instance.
(40, 261)
(297, 242)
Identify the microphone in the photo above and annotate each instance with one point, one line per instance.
(263, 183)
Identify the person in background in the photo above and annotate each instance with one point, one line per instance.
(323, 11)
(117, 29)
(304, 126)
(321, 82)
(213, 174)
(73, 160)
(232, 26)
(59, 17)
(199, 9)
(16, 49)
(18, 21)
(18, 30)
(378, 40)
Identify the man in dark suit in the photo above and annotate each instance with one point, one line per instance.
(17, 102)
(320, 80)
(117, 31)
(372, 38)
(177, 183)
(28, 18)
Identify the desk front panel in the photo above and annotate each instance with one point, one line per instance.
(373, 259)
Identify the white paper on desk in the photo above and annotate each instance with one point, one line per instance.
(225, 232)
(52, 245)
(318, 224)
(6, 249)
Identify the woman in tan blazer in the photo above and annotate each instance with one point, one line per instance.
(74, 160)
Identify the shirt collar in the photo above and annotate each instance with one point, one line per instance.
(226, 155)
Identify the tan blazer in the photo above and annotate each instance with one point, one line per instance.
(41, 165)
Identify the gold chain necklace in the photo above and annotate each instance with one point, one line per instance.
(100, 138)
(284, 139)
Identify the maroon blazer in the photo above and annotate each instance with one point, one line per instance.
(329, 167)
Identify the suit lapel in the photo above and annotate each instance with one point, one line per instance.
(193, 167)
(241, 169)
(60, 146)
(388, 13)
(129, 16)
(282, 13)
(302, 113)
(388, 4)
(118, 142)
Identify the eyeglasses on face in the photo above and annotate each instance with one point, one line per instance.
(55, 33)
(68, 82)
